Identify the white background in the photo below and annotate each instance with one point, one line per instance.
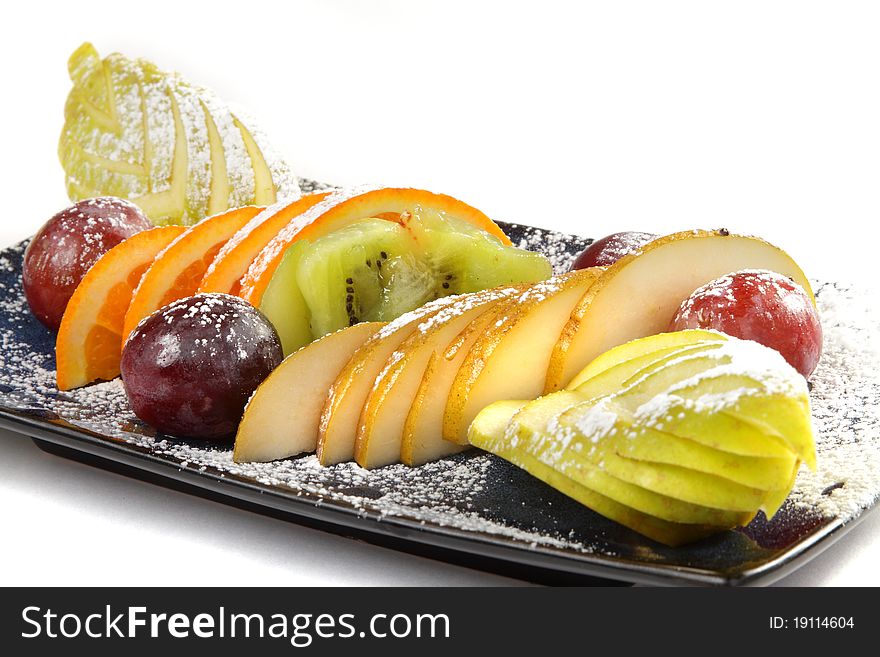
(763, 117)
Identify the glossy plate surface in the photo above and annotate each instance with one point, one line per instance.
(473, 505)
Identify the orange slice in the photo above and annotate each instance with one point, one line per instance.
(89, 343)
(344, 207)
(232, 261)
(177, 271)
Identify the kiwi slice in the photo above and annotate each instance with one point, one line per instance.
(343, 275)
(378, 269)
(283, 302)
(468, 259)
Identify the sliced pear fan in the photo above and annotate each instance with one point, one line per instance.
(711, 421)
(173, 148)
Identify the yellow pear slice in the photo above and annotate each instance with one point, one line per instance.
(380, 430)
(638, 295)
(264, 186)
(509, 360)
(423, 428)
(633, 370)
(338, 427)
(281, 418)
(488, 431)
(768, 400)
(647, 444)
(629, 352)
(535, 430)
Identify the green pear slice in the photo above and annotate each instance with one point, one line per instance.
(641, 350)
(725, 433)
(281, 418)
(510, 359)
(737, 376)
(628, 372)
(536, 429)
(684, 484)
(597, 434)
(638, 295)
(380, 431)
(487, 432)
(782, 417)
(591, 437)
(646, 444)
(776, 498)
(338, 427)
(264, 187)
(218, 195)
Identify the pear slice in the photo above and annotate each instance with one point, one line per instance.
(638, 295)
(592, 437)
(536, 430)
(757, 403)
(509, 360)
(264, 186)
(643, 349)
(281, 418)
(340, 416)
(684, 484)
(380, 430)
(491, 424)
(219, 191)
(423, 428)
(646, 434)
(749, 385)
(630, 371)
(643, 443)
(782, 416)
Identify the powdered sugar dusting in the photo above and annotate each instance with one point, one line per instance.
(560, 249)
(758, 369)
(471, 492)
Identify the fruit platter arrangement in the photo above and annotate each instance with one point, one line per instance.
(392, 360)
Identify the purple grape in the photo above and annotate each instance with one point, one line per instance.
(190, 367)
(68, 245)
(611, 248)
(762, 306)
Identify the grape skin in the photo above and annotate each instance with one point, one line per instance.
(762, 306)
(66, 247)
(190, 367)
(611, 248)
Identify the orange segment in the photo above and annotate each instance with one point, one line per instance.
(89, 343)
(232, 261)
(344, 207)
(178, 270)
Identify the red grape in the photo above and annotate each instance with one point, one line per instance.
(611, 248)
(762, 306)
(66, 247)
(190, 367)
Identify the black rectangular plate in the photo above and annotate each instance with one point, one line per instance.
(472, 508)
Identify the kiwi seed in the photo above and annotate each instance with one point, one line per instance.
(349, 280)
